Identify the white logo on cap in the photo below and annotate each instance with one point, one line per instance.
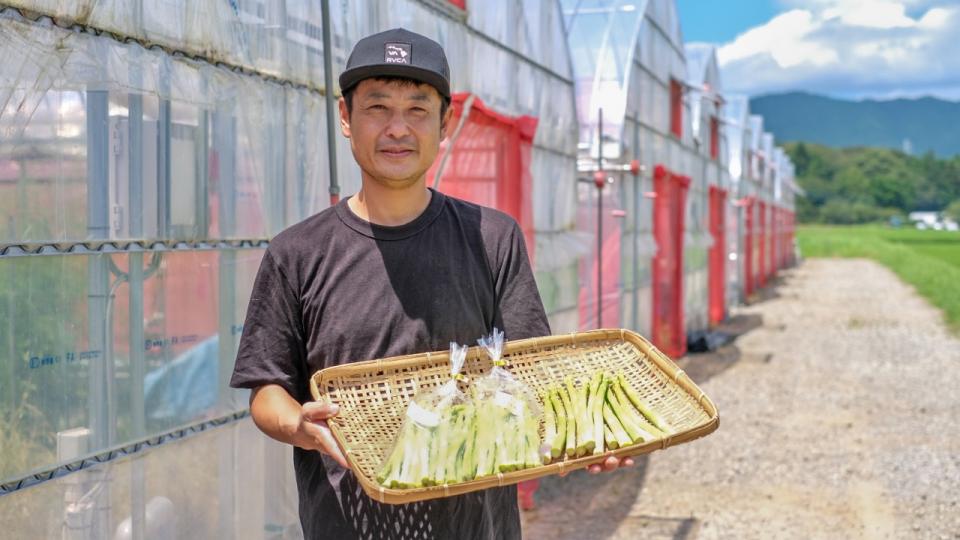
(396, 53)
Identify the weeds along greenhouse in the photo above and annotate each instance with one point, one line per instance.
(150, 149)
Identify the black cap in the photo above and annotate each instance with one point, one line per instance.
(398, 53)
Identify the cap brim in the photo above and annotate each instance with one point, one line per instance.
(349, 78)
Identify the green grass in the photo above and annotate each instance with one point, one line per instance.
(928, 260)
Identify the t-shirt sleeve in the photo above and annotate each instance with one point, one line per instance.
(272, 348)
(520, 310)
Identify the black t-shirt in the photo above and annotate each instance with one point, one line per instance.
(335, 289)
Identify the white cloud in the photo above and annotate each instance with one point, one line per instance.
(851, 48)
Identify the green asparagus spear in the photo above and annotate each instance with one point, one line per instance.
(571, 432)
(610, 439)
(600, 392)
(652, 416)
(557, 444)
(614, 424)
(550, 422)
(634, 414)
(623, 414)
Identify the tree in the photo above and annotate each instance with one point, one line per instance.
(952, 210)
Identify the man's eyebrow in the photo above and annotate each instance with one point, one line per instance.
(420, 97)
(377, 95)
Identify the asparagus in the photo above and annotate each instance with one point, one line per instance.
(486, 444)
(600, 392)
(638, 418)
(534, 457)
(571, 413)
(584, 430)
(586, 439)
(560, 437)
(652, 416)
(627, 420)
(610, 439)
(550, 422)
(616, 428)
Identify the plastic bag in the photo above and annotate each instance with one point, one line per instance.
(434, 446)
(508, 417)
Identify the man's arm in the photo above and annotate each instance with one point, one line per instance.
(281, 417)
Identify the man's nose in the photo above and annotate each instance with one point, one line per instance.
(397, 127)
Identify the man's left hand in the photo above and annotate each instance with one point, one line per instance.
(610, 464)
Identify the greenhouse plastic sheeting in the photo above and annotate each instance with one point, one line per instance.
(489, 161)
(625, 54)
(125, 353)
(668, 223)
(90, 125)
(276, 38)
(229, 482)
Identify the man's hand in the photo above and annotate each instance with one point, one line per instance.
(313, 431)
(278, 415)
(610, 464)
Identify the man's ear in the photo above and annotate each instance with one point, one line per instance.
(344, 118)
(445, 122)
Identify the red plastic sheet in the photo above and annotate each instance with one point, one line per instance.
(762, 243)
(668, 226)
(717, 255)
(490, 162)
(608, 269)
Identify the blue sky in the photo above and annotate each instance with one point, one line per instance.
(844, 48)
(720, 21)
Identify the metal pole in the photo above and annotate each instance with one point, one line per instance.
(600, 217)
(328, 95)
(637, 197)
(135, 315)
(98, 277)
(163, 164)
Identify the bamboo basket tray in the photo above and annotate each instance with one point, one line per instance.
(373, 397)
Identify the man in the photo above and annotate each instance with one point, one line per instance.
(396, 269)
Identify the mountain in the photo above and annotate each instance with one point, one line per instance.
(915, 126)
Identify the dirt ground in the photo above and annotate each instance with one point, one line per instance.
(838, 419)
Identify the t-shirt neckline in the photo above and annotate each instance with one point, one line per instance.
(398, 232)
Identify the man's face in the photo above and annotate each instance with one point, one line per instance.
(395, 130)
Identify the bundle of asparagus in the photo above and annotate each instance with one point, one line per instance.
(509, 410)
(602, 413)
(448, 437)
(437, 439)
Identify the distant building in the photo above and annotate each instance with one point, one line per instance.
(933, 220)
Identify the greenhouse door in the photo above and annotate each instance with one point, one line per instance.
(489, 163)
(762, 242)
(748, 285)
(718, 259)
(668, 225)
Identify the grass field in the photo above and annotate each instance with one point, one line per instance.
(928, 260)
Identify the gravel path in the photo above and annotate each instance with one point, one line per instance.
(839, 419)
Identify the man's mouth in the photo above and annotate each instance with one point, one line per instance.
(396, 152)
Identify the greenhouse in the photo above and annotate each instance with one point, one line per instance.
(151, 149)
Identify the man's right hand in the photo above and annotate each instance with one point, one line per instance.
(278, 415)
(315, 431)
